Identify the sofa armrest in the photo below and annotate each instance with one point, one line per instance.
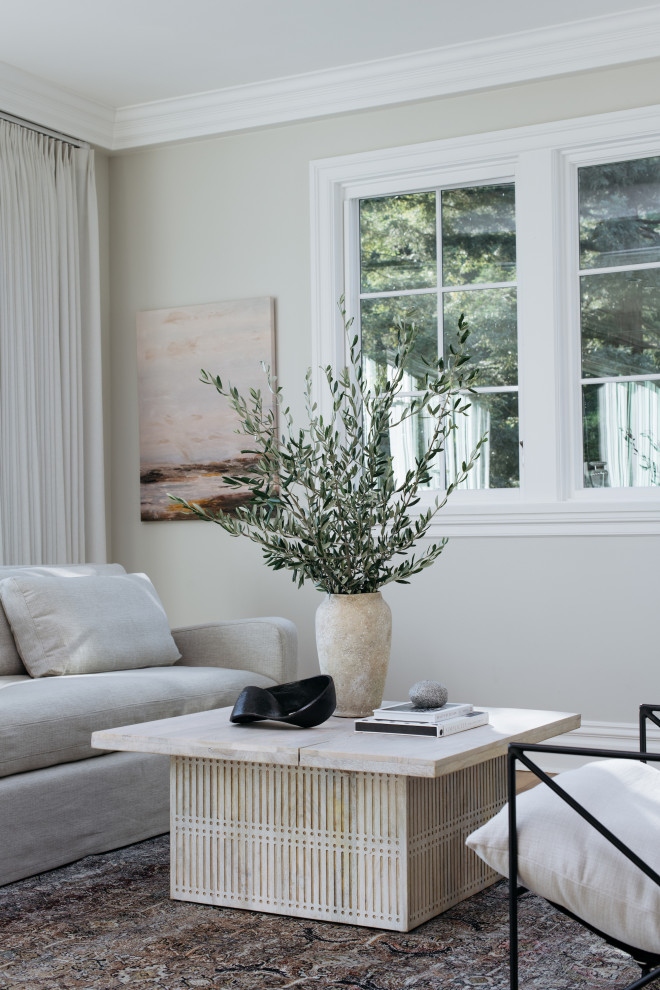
(266, 646)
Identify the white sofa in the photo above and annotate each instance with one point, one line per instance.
(60, 799)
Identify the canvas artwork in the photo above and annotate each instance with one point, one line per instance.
(188, 438)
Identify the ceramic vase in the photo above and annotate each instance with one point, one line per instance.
(353, 639)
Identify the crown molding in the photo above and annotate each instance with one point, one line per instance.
(40, 102)
(593, 43)
(583, 45)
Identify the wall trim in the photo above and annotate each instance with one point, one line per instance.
(591, 43)
(598, 735)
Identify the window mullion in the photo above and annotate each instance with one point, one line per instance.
(538, 317)
(440, 310)
(352, 266)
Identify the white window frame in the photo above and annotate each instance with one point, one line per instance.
(572, 160)
(543, 161)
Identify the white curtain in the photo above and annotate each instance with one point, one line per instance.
(462, 441)
(629, 419)
(51, 451)
(411, 437)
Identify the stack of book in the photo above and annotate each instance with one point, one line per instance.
(406, 719)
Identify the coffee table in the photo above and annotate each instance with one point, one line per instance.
(327, 823)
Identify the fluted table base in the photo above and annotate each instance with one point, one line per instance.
(374, 849)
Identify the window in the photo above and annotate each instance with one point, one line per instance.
(547, 238)
(619, 252)
(430, 256)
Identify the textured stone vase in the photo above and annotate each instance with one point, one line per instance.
(353, 638)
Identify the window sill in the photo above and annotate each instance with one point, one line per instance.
(581, 516)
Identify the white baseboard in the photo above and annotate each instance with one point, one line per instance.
(597, 735)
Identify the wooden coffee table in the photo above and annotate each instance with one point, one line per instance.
(327, 823)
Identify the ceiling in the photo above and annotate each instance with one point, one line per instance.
(106, 58)
(124, 52)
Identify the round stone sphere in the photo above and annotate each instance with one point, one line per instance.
(428, 694)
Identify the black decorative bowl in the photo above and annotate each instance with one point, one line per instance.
(304, 703)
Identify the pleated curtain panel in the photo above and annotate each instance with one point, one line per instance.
(51, 430)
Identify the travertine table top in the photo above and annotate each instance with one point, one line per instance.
(335, 744)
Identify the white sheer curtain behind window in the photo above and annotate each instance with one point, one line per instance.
(462, 441)
(51, 451)
(629, 418)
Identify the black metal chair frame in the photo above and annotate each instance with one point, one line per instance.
(649, 962)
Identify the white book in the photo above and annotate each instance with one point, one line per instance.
(460, 723)
(407, 712)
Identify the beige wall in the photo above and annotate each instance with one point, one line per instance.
(542, 622)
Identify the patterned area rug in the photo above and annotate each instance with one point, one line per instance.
(106, 923)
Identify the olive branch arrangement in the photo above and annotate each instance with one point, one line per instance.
(324, 500)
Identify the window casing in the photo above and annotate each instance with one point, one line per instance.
(543, 162)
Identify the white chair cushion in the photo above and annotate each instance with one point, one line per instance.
(76, 625)
(564, 859)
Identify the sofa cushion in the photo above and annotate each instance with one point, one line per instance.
(564, 859)
(47, 721)
(10, 661)
(73, 625)
(7, 679)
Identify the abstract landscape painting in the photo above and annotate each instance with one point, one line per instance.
(187, 431)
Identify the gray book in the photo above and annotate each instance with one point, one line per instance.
(406, 711)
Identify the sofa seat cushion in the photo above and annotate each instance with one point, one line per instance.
(50, 720)
(7, 679)
(10, 661)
